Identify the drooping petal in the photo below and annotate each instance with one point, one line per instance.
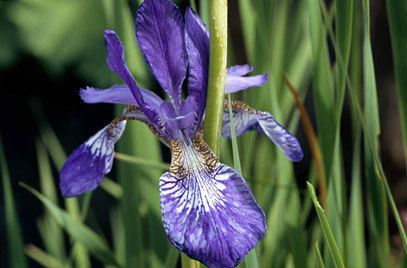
(246, 118)
(160, 35)
(236, 81)
(118, 94)
(116, 62)
(197, 44)
(280, 136)
(85, 168)
(209, 213)
(243, 121)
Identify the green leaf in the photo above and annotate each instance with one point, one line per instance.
(320, 261)
(397, 11)
(58, 156)
(15, 247)
(377, 207)
(356, 231)
(51, 233)
(326, 228)
(42, 257)
(77, 230)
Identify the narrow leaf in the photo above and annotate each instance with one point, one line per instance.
(15, 247)
(326, 228)
(77, 230)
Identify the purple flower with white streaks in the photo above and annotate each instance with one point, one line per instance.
(208, 211)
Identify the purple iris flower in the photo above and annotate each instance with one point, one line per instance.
(208, 211)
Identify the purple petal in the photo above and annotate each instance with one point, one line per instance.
(240, 70)
(118, 94)
(85, 168)
(280, 136)
(185, 119)
(243, 121)
(208, 211)
(116, 62)
(246, 118)
(197, 44)
(235, 81)
(160, 35)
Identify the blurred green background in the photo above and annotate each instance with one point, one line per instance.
(347, 59)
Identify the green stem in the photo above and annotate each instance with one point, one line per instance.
(217, 72)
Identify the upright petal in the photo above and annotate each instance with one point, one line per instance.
(160, 35)
(118, 94)
(185, 119)
(208, 211)
(235, 80)
(246, 118)
(197, 44)
(85, 168)
(116, 62)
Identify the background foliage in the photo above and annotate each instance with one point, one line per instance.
(333, 55)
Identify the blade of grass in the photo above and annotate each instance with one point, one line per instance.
(111, 187)
(192, 4)
(117, 231)
(356, 233)
(42, 257)
(172, 258)
(318, 255)
(15, 247)
(396, 215)
(141, 161)
(356, 247)
(377, 207)
(51, 233)
(326, 228)
(58, 157)
(323, 85)
(397, 11)
(78, 231)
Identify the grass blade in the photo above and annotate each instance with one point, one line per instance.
(51, 233)
(78, 231)
(318, 255)
(42, 257)
(396, 215)
(397, 11)
(356, 241)
(377, 207)
(15, 248)
(58, 157)
(141, 161)
(326, 229)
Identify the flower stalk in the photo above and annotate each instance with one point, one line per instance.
(217, 72)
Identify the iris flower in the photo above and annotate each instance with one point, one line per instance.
(208, 211)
